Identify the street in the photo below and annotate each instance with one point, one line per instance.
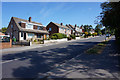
(32, 63)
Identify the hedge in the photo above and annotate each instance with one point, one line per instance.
(58, 36)
(72, 36)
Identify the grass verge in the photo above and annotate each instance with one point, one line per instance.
(97, 49)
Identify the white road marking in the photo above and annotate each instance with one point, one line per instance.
(13, 60)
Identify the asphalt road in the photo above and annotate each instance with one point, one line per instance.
(32, 63)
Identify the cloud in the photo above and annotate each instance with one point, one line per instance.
(89, 9)
(46, 12)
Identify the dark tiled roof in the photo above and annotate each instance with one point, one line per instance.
(34, 31)
(60, 25)
(17, 20)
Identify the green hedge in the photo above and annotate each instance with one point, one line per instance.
(58, 36)
(72, 36)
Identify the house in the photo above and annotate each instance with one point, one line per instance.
(75, 30)
(26, 29)
(58, 28)
(82, 29)
(92, 31)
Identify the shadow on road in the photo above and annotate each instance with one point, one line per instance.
(43, 61)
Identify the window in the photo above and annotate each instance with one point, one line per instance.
(29, 26)
(11, 26)
(50, 29)
(21, 34)
(39, 36)
(30, 35)
(38, 27)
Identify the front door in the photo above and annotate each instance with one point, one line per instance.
(24, 36)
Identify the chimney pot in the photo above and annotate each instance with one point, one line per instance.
(61, 24)
(75, 25)
(30, 19)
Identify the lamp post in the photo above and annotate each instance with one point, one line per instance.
(105, 33)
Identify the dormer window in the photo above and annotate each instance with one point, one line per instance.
(40, 27)
(29, 26)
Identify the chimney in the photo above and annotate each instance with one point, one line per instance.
(61, 24)
(29, 19)
(75, 25)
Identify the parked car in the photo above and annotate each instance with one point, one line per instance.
(107, 35)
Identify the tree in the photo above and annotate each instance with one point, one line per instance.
(98, 29)
(4, 29)
(87, 28)
(110, 17)
(103, 31)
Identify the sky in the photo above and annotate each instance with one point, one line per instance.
(59, 12)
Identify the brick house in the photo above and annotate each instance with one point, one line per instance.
(26, 29)
(58, 28)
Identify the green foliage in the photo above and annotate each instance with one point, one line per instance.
(68, 38)
(72, 36)
(89, 34)
(64, 36)
(58, 36)
(54, 37)
(110, 17)
(103, 31)
(4, 29)
(86, 35)
(87, 28)
(98, 29)
(35, 40)
(94, 34)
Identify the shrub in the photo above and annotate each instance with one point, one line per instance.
(68, 38)
(64, 35)
(53, 37)
(89, 34)
(35, 40)
(95, 34)
(86, 34)
(58, 36)
(72, 36)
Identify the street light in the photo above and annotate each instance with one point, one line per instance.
(105, 33)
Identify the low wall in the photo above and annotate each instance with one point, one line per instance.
(25, 43)
(5, 45)
(53, 41)
(77, 37)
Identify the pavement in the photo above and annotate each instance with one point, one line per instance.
(104, 65)
(39, 62)
(23, 48)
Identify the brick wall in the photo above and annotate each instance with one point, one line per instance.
(14, 31)
(54, 28)
(5, 45)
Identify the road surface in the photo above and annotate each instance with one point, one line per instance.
(32, 63)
